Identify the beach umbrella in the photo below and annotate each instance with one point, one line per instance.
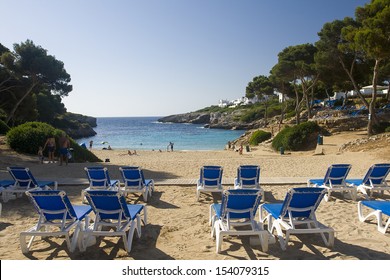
(104, 142)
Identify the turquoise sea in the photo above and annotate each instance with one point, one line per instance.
(146, 133)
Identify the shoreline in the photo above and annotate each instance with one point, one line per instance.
(178, 227)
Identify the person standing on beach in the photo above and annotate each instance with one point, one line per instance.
(51, 147)
(171, 146)
(40, 154)
(64, 148)
(90, 144)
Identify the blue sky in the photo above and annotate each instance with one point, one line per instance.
(162, 57)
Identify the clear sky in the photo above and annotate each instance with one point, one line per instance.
(162, 57)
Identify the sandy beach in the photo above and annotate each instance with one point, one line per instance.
(178, 225)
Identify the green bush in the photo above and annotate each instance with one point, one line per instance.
(4, 128)
(252, 115)
(27, 138)
(381, 127)
(297, 137)
(259, 136)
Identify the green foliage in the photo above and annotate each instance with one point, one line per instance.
(381, 127)
(28, 137)
(252, 115)
(259, 136)
(297, 137)
(3, 127)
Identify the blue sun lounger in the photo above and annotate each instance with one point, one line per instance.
(380, 208)
(334, 181)
(99, 179)
(57, 217)
(248, 177)
(298, 208)
(135, 182)
(210, 180)
(24, 181)
(112, 212)
(237, 209)
(373, 181)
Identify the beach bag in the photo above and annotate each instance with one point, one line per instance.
(69, 155)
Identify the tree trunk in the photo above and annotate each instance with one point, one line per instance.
(355, 86)
(372, 119)
(297, 106)
(12, 113)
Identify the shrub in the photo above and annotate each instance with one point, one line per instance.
(27, 138)
(297, 138)
(381, 127)
(252, 115)
(4, 128)
(259, 136)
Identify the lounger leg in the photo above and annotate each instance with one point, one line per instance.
(138, 226)
(145, 195)
(145, 210)
(129, 238)
(75, 238)
(363, 191)
(23, 245)
(264, 241)
(218, 237)
(282, 241)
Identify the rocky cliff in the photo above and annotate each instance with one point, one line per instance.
(223, 120)
(76, 125)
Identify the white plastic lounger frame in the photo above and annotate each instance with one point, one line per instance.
(57, 217)
(334, 181)
(237, 211)
(210, 180)
(297, 209)
(380, 208)
(111, 211)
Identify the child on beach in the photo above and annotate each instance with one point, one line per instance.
(40, 154)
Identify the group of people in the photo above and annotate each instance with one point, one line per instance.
(50, 145)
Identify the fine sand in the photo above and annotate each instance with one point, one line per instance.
(178, 225)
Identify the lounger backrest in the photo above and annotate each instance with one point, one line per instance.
(336, 174)
(234, 201)
(211, 175)
(248, 175)
(132, 176)
(106, 201)
(300, 198)
(23, 177)
(48, 201)
(98, 176)
(376, 174)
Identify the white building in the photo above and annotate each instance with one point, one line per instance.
(367, 90)
(282, 97)
(223, 103)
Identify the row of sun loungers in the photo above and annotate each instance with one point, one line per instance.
(235, 215)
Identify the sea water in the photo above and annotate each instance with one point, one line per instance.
(146, 133)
